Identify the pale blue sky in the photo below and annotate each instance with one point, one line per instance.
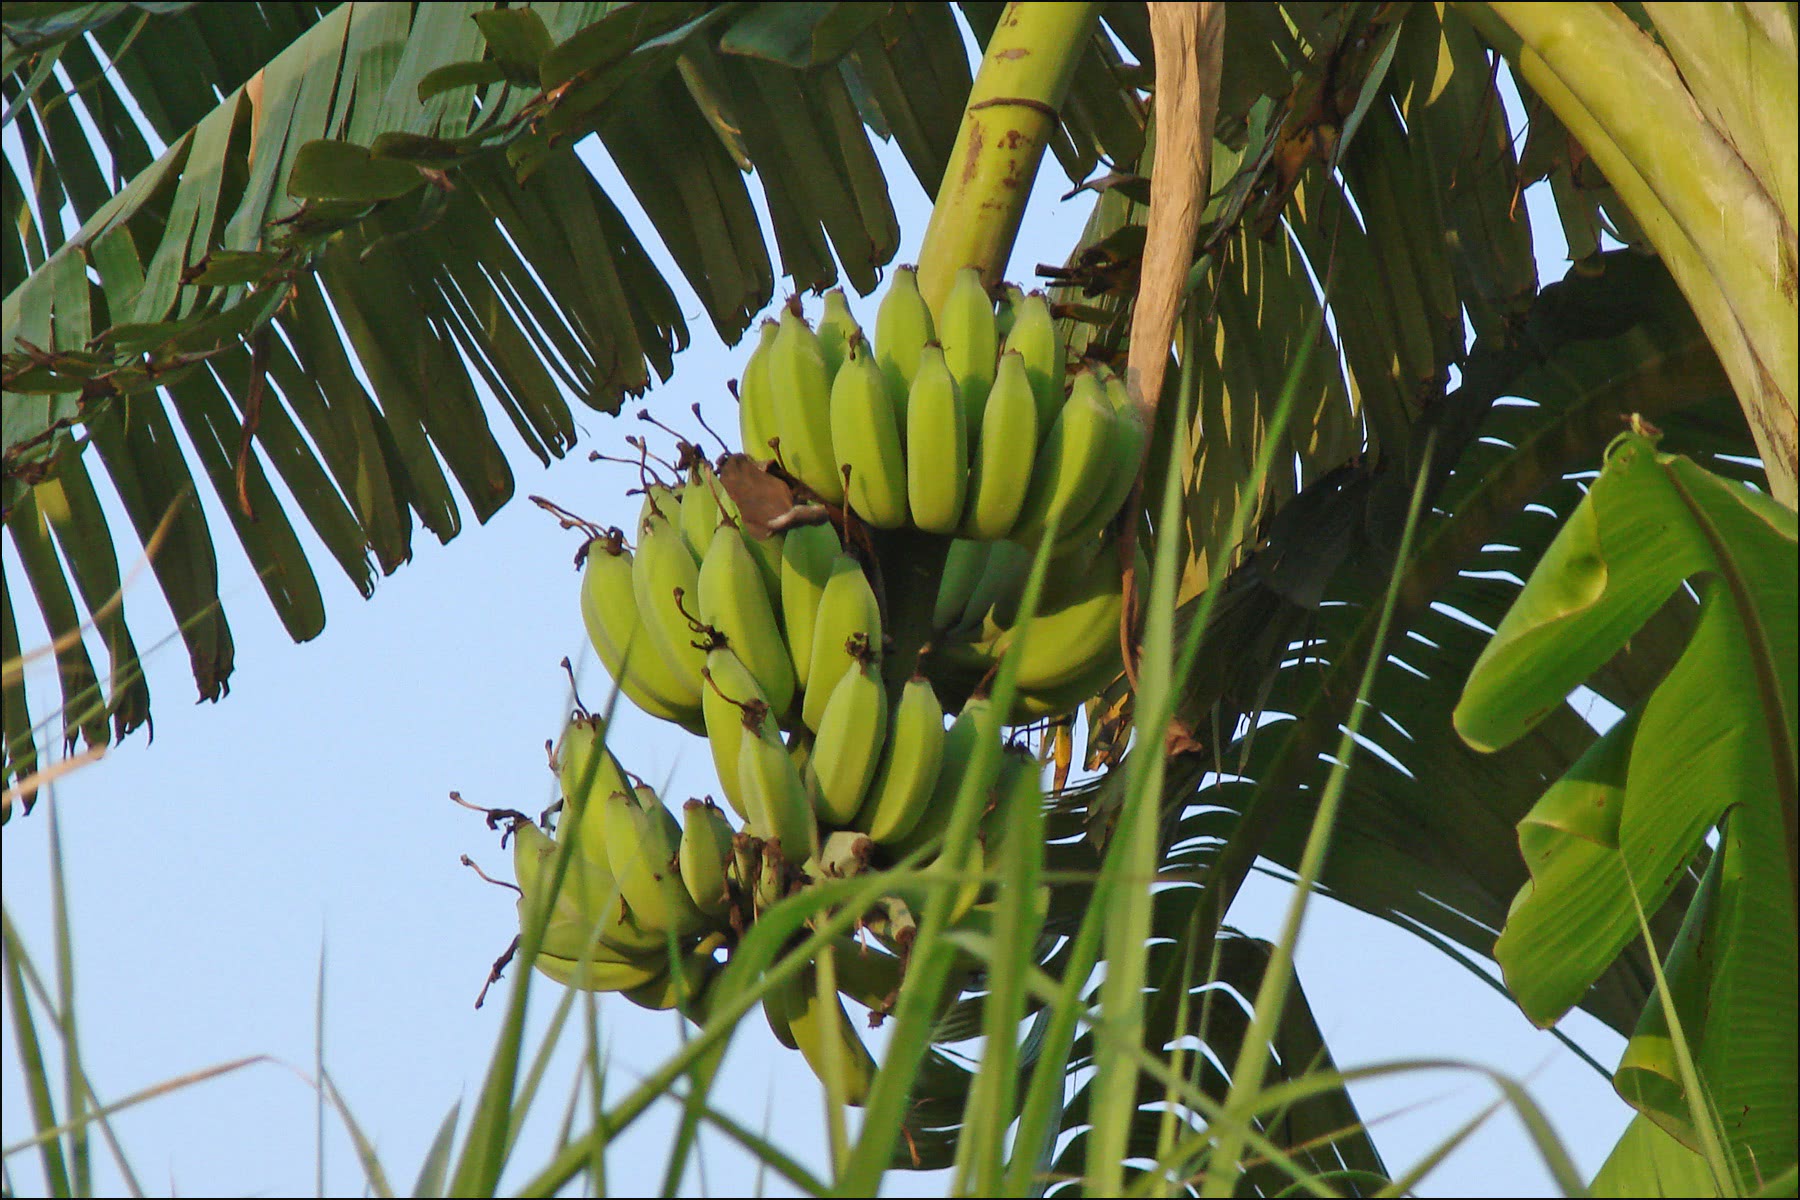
(310, 807)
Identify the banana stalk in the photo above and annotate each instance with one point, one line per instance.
(1012, 110)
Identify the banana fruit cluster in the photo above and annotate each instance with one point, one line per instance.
(966, 426)
(645, 901)
(770, 638)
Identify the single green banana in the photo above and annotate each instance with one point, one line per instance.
(683, 989)
(971, 341)
(1077, 626)
(774, 790)
(1034, 335)
(1000, 473)
(867, 975)
(902, 327)
(847, 607)
(826, 1037)
(665, 581)
(1126, 450)
(588, 897)
(756, 397)
(937, 446)
(957, 758)
(963, 565)
(802, 388)
(609, 611)
(733, 600)
(901, 790)
(865, 434)
(837, 330)
(1072, 466)
(1008, 313)
(733, 704)
(643, 843)
(588, 773)
(848, 748)
(700, 506)
(601, 975)
(806, 560)
(774, 1008)
(705, 852)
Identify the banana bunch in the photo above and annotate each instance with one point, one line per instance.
(964, 426)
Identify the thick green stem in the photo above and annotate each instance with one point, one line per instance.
(1012, 108)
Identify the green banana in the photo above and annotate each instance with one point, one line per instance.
(665, 581)
(699, 506)
(937, 445)
(802, 389)
(774, 1008)
(733, 600)
(588, 895)
(683, 989)
(865, 435)
(705, 852)
(588, 773)
(1000, 473)
(643, 841)
(733, 704)
(848, 748)
(609, 611)
(600, 975)
(963, 565)
(825, 1035)
(1072, 466)
(1035, 336)
(837, 330)
(775, 792)
(971, 340)
(901, 790)
(996, 594)
(847, 607)
(806, 561)
(902, 327)
(1008, 314)
(958, 755)
(866, 975)
(756, 397)
(1126, 450)
(1076, 627)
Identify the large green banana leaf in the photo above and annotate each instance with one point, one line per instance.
(405, 174)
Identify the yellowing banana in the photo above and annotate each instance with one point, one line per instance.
(609, 611)
(865, 434)
(807, 556)
(937, 446)
(733, 600)
(851, 731)
(802, 390)
(756, 397)
(901, 790)
(705, 854)
(587, 898)
(847, 608)
(1000, 474)
(902, 327)
(971, 341)
(1077, 626)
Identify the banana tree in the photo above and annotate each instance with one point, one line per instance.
(1361, 164)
